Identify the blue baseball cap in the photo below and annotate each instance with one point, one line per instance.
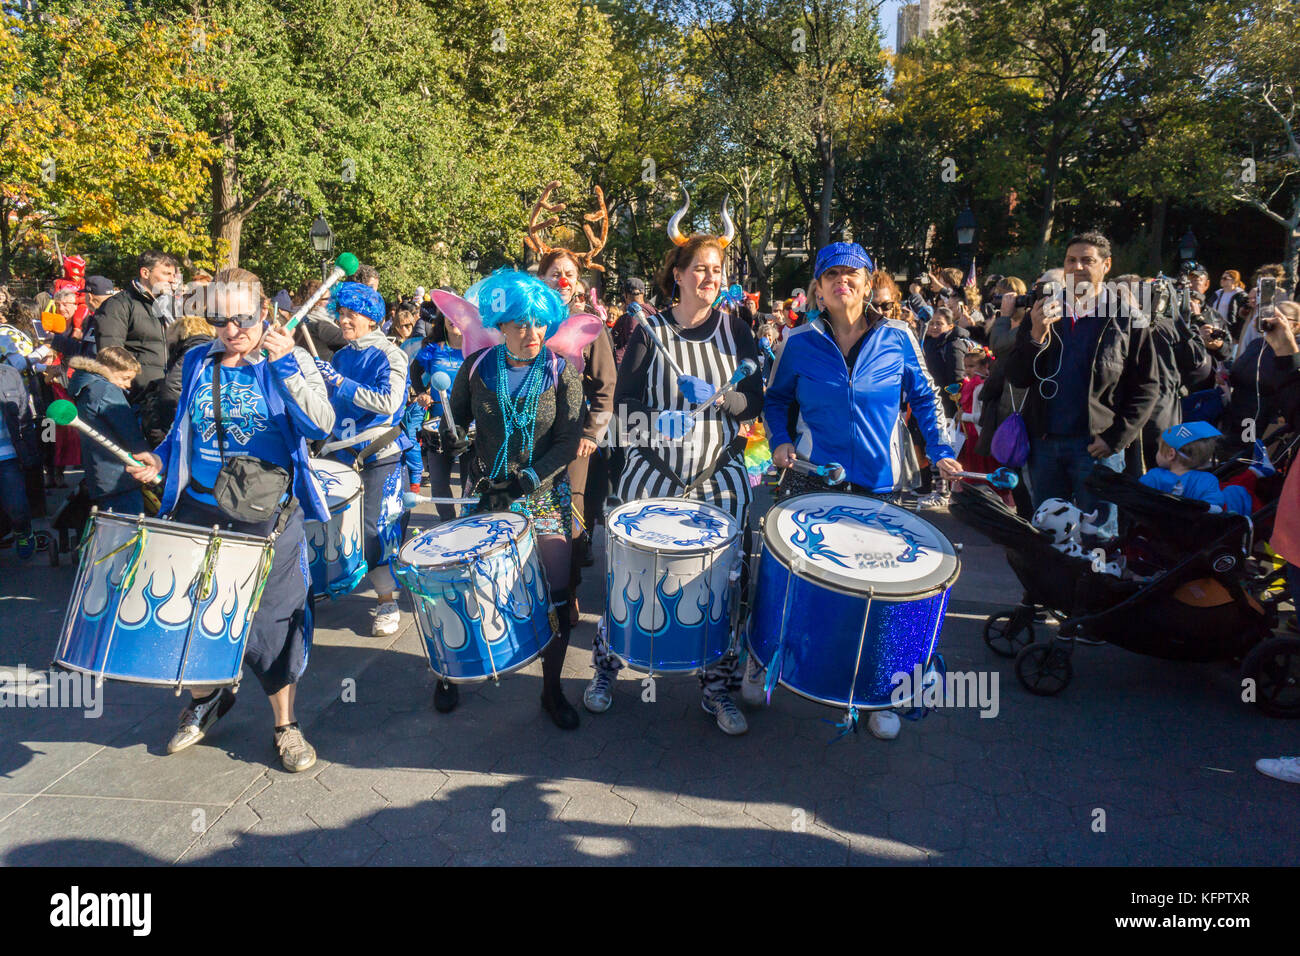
(1187, 432)
(842, 254)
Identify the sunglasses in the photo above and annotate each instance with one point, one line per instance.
(243, 321)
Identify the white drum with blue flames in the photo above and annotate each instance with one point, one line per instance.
(334, 547)
(158, 602)
(670, 569)
(851, 591)
(482, 604)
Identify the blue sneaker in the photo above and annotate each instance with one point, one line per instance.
(25, 546)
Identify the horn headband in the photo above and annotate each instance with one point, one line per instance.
(674, 224)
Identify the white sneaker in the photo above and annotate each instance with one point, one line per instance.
(884, 724)
(1286, 769)
(932, 502)
(752, 689)
(730, 720)
(387, 619)
(599, 694)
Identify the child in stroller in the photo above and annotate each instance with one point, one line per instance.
(1187, 594)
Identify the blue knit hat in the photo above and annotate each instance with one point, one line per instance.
(358, 297)
(842, 254)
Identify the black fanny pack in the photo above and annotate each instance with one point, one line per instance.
(246, 488)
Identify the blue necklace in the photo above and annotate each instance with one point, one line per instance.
(518, 414)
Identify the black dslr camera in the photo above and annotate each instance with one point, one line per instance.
(1041, 290)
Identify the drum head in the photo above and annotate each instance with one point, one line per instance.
(672, 525)
(853, 543)
(340, 482)
(455, 543)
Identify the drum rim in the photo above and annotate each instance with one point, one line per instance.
(154, 682)
(835, 703)
(893, 596)
(696, 551)
(347, 502)
(179, 528)
(513, 542)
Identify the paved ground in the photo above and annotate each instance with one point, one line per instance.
(1138, 762)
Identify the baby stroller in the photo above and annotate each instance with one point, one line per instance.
(1198, 604)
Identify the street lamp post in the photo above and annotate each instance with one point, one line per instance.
(471, 260)
(966, 227)
(322, 240)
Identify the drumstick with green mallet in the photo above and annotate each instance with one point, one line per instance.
(63, 412)
(345, 265)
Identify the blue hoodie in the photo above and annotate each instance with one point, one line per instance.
(296, 400)
(372, 396)
(853, 420)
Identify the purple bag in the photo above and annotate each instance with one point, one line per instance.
(1010, 443)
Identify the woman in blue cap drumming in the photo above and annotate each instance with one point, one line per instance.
(527, 404)
(367, 380)
(834, 395)
(850, 351)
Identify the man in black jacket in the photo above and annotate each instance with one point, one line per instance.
(1091, 373)
(128, 320)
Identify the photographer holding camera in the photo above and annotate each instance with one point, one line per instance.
(1091, 373)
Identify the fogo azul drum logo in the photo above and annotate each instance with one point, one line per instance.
(810, 538)
(694, 526)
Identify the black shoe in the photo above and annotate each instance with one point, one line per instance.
(561, 711)
(445, 697)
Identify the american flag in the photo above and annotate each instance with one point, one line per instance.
(970, 276)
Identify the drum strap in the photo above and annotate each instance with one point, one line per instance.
(732, 449)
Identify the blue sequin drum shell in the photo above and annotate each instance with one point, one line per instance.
(482, 605)
(334, 547)
(670, 565)
(159, 602)
(839, 573)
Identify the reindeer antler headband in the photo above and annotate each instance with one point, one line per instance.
(595, 243)
(675, 232)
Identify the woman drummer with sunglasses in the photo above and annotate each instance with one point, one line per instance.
(272, 402)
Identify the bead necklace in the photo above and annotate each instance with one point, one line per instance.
(517, 414)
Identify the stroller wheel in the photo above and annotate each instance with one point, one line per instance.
(1044, 669)
(1274, 666)
(1007, 632)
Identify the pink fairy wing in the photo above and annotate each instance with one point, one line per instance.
(577, 332)
(464, 315)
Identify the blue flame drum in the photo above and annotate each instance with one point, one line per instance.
(337, 559)
(670, 569)
(851, 591)
(159, 602)
(482, 604)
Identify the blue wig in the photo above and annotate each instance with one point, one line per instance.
(509, 295)
(358, 297)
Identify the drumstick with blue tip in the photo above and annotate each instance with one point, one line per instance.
(694, 388)
(441, 383)
(745, 369)
(833, 473)
(63, 412)
(410, 499)
(1003, 478)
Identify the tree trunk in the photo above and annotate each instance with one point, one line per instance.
(826, 148)
(1155, 257)
(1291, 260)
(227, 221)
(5, 255)
(1052, 167)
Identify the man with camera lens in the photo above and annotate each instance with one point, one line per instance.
(1091, 374)
(1182, 362)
